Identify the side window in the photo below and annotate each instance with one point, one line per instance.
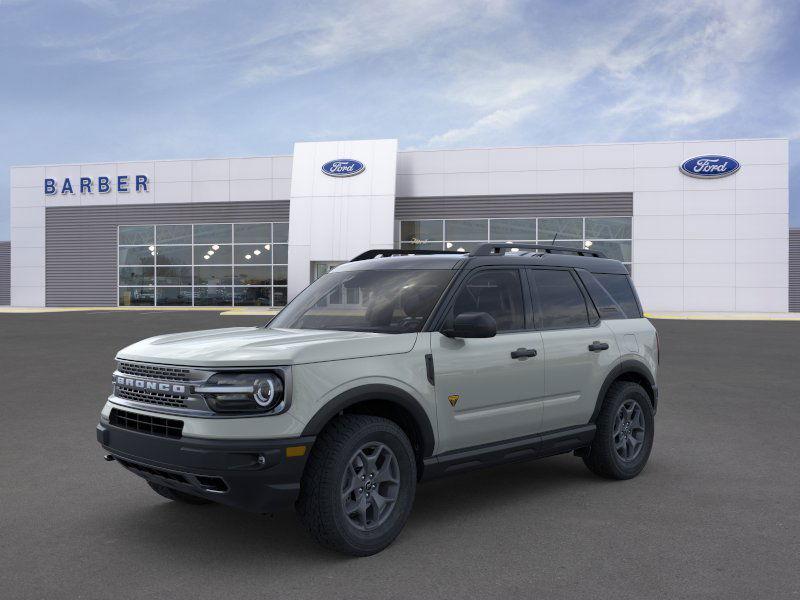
(619, 287)
(497, 292)
(606, 305)
(559, 298)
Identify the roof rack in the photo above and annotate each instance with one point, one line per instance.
(490, 249)
(369, 254)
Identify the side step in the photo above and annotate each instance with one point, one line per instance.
(526, 448)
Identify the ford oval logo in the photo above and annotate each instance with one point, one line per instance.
(710, 166)
(343, 167)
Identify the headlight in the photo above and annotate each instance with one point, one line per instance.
(244, 392)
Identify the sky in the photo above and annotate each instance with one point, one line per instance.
(95, 80)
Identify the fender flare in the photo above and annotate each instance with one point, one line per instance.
(626, 366)
(375, 391)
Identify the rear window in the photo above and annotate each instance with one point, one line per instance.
(560, 301)
(620, 289)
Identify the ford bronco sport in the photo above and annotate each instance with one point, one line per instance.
(396, 367)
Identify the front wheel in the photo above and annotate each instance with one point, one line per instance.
(359, 484)
(624, 435)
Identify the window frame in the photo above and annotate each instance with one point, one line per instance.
(593, 318)
(193, 264)
(441, 311)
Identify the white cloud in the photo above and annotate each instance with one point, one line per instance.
(500, 119)
(672, 64)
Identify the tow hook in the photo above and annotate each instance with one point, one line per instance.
(108, 457)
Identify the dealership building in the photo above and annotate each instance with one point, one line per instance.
(701, 225)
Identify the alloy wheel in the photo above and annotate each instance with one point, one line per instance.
(629, 430)
(370, 486)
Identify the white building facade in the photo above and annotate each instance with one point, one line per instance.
(256, 231)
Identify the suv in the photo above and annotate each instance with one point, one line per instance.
(396, 367)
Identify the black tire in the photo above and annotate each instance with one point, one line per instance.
(606, 455)
(176, 495)
(329, 472)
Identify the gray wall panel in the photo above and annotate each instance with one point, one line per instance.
(794, 270)
(5, 273)
(547, 205)
(82, 241)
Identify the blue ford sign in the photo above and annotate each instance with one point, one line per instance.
(709, 166)
(343, 167)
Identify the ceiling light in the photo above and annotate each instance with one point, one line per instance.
(588, 244)
(152, 253)
(256, 252)
(247, 256)
(515, 249)
(215, 247)
(211, 253)
(460, 250)
(266, 246)
(206, 257)
(509, 242)
(449, 245)
(151, 248)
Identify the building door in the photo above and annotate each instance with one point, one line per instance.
(319, 268)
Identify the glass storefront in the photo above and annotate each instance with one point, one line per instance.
(610, 235)
(215, 264)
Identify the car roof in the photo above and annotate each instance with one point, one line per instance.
(462, 260)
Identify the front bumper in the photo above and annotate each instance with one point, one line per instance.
(254, 475)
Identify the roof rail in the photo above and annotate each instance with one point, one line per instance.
(495, 248)
(369, 254)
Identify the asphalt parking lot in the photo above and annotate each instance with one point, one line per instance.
(716, 514)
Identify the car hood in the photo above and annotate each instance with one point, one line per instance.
(256, 346)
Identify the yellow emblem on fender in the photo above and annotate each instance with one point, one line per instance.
(453, 398)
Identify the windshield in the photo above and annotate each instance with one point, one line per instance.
(379, 301)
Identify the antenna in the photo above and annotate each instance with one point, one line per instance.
(553, 243)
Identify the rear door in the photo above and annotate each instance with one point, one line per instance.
(579, 348)
(483, 393)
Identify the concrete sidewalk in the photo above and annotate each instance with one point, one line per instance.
(223, 310)
(724, 316)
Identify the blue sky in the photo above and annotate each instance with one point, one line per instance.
(95, 80)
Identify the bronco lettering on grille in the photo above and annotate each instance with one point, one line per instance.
(154, 386)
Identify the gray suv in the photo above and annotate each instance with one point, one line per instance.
(394, 368)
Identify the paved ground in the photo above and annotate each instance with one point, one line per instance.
(716, 514)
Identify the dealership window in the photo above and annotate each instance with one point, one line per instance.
(208, 264)
(610, 235)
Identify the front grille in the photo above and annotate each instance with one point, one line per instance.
(171, 428)
(154, 371)
(150, 397)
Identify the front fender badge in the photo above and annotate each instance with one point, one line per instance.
(453, 398)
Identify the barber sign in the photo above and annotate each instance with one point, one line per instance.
(343, 167)
(710, 166)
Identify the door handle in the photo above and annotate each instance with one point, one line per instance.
(523, 353)
(598, 346)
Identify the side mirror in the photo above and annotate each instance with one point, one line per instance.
(472, 325)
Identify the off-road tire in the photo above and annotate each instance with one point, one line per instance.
(176, 495)
(320, 502)
(602, 457)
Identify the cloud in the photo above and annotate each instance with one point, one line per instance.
(672, 65)
(324, 40)
(500, 119)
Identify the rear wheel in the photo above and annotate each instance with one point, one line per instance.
(624, 435)
(176, 495)
(359, 485)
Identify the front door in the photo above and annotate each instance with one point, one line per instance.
(483, 394)
(320, 268)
